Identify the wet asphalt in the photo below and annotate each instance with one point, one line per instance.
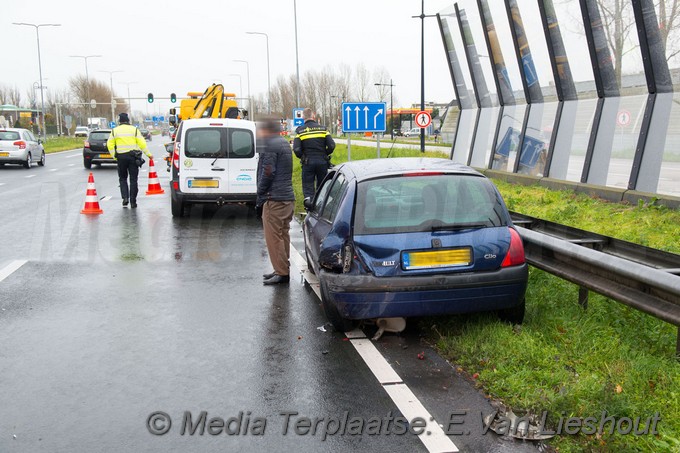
(119, 320)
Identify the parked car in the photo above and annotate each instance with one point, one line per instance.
(412, 237)
(214, 161)
(95, 150)
(146, 133)
(82, 131)
(19, 146)
(415, 132)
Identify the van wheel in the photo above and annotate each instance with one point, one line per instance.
(339, 323)
(177, 208)
(513, 315)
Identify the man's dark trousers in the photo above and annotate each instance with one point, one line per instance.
(313, 172)
(128, 166)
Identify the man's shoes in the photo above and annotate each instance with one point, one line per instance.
(277, 279)
(125, 201)
(268, 276)
(133, 205)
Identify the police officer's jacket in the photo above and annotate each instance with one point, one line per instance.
(126, 138)
(313, 143)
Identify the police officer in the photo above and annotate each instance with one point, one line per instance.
(123, 140)
(313, 145)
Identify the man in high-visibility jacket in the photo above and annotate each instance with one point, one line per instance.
(123, 140)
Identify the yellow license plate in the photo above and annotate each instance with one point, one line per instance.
(436, 258)
(105, 156)
(4, 154)
(211, 183)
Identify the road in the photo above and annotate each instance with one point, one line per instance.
(106, 321)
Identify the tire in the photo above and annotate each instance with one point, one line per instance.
(29, 161)
(513, 315)
(177, 208)
(41, 162)
(339, 323)
(87, 164)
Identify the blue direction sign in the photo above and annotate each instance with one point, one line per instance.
(112, 124)
(364, 117)
(298, 120)
(155, 119)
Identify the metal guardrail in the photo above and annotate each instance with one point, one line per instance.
(640, 277)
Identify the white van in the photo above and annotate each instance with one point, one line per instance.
(214, 161)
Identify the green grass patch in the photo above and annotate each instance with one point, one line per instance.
(566, 360)
(55, 144)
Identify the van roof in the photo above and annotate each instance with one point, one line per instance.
(221, 122)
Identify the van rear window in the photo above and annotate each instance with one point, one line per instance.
(213, 142)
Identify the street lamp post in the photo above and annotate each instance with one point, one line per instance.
(269, 104)
(248, 76)
(42, 97)
(240, 85)
(37, 85)
(87, 76)
(129, 101)
(297, 61)
(391, 106)
(113, 106)
(422, 17)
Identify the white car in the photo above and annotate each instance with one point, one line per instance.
(214, 161)
(19, 146)
(415, 132)
(82, 131)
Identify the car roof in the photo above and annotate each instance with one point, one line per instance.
(373, 168)
(12, 129)
(100, 130)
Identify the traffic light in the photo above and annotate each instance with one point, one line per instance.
(149, 97)
(173, 97)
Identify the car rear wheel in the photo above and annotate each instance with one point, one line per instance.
(339, 323)
(28, 162)
(41, 162)
(177, 208)
(87, 164)
(513, 315)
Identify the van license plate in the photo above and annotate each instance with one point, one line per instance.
(436, 258)
(211, 183)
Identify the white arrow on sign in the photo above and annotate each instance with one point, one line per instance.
(375, 118)
(356, 110)
(348, 110)
(366, 116)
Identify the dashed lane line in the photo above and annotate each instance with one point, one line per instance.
(434, 438)
(11, 268)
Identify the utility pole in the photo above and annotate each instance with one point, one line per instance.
(422, 17)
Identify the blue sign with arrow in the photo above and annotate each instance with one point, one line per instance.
(364, 117)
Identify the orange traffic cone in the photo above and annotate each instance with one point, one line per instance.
(154, 184)
(91, 201)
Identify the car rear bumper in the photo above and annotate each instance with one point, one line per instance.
(212, 198)
(94, 157)
(367, 296)
(15, 157)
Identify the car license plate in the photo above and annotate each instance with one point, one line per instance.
(105, 156)
(4, 154)
(436, 258)
(211, 183)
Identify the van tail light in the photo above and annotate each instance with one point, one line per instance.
(86, 144)
(21, 144)
(515, 255)
(175, 156)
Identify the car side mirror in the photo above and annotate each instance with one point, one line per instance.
(308, 203)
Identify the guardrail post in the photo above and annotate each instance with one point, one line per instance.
(583, 297)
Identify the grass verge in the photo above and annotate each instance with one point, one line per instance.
(55, 144)
(565, 360)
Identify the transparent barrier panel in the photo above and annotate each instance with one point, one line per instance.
(508, 137)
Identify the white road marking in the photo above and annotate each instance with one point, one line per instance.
(434, 438)
(54, 169)
(106, 198)
(29, 176)
(2, 183)
(74, 155)
(11, 268)
(71, 165)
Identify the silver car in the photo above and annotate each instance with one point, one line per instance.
(19, 146)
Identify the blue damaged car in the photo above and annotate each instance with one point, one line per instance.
(412, 237)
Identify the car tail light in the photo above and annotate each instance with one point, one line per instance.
(175, 185)
(86, 144)
(515, 255)
(21, 144)
(423, 173)
(175, 156)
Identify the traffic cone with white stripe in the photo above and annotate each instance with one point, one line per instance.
(91, 200)
(154, 184)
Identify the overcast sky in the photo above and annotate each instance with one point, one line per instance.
(179, 46)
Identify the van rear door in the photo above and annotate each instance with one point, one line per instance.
(242, 161)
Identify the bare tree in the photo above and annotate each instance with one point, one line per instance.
(363, 83)
(669, 23)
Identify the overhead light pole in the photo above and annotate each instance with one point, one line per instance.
(248, 77)
(113, 105)
(129, 100)
(391, 106)
(297, 60)
(269, 104)
(87, 77)
(422, 17)
(240, 85)
(42, 97)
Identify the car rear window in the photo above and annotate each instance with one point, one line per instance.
(212, 142)
(100, 135)
(422, 203)
(9, 135)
